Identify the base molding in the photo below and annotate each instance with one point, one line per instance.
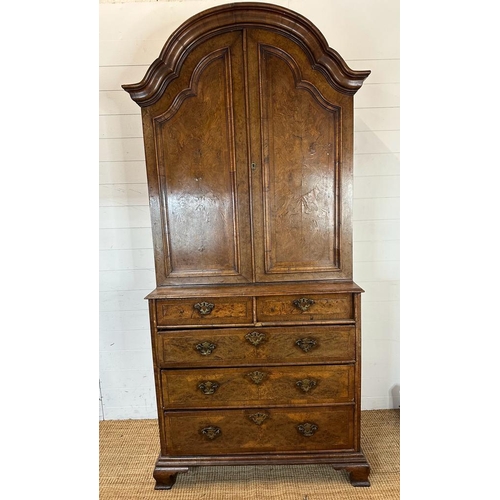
(355, 463)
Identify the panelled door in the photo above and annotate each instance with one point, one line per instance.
(199, 169)
(302, 232)
(249, 166)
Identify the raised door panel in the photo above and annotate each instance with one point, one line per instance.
(299, 136)
(301, 180)
(201, 169)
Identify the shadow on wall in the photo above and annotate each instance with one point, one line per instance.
(376, 250)
(394, 394)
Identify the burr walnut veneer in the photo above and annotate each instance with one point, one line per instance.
(248, 133)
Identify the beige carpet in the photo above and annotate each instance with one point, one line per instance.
(129, 448)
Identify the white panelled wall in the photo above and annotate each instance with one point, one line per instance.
(132, 34)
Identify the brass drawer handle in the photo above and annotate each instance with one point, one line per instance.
(211, 432)
(303, 304)
(306, 344)
(256, 377)
(208, 387)
(307, 429)
(306, 384)
(204, 308)
(255, 338)
(205, 348)
(259, 417)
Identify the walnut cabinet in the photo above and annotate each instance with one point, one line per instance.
(248, 133)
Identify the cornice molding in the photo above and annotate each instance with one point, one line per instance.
(229, 17)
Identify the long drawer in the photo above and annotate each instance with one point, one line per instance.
(265, 430)
(257, 386)
(249, 346)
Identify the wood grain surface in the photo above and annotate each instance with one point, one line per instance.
(278, 346)
(278, 433)
(239, 387)
(255, 322)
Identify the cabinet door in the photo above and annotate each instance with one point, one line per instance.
(301, 144)
(196, 153)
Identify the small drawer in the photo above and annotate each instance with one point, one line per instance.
(271, 430)
(204, 311)
(251, 346)
(315, 307)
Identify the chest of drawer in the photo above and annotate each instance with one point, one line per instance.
(248, 346)
(204, 311)
(305, 308)
(257, 386)
(273, 430)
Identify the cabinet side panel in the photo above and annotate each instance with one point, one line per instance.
(157, 373)
(357, 375)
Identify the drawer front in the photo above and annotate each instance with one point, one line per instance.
(204, 311)
(230, 346)
(306, 308)
(225, 432)
(257, 386)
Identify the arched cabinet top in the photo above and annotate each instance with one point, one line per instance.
(230, 17)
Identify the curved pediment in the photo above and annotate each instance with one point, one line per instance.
(218, 20)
